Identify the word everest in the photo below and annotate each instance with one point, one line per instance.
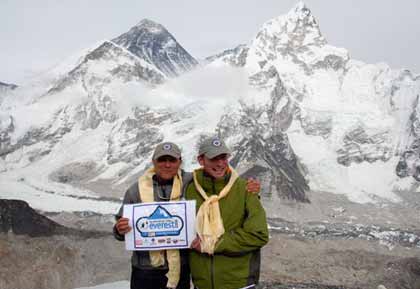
(160, 223)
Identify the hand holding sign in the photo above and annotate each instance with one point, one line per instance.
(123, 226)
(196, 244)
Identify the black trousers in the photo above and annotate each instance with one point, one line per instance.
(156, 279)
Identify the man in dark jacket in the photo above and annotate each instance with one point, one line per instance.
(231, 223)
(166, 163)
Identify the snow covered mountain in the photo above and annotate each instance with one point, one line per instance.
(347, 121)
(152, 42)
(298, 113)
(6, 88)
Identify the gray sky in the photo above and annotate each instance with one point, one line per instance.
(36, 35)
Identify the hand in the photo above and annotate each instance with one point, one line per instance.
(253, 186)
(122, 226)
(196, 244)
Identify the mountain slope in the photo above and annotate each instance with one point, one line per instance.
(118, 63)
(235, 57)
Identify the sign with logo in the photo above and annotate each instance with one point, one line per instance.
(160, 225)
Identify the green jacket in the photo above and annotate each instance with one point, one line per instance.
(236, 262)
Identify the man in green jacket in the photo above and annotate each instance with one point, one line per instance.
(231, 224)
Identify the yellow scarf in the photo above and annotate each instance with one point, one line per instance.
(157, 258)
(209, 223)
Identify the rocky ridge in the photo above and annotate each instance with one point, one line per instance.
(19, 218)
(7, 86)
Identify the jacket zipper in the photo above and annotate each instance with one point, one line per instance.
(212, 257)
(212, 272)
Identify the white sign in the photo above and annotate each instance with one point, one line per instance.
(160, 225)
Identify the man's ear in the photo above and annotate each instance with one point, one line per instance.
(200, 160)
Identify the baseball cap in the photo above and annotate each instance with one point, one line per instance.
(212, 147)
(167, 149)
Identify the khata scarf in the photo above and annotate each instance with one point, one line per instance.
(209, 223)
(157, 258)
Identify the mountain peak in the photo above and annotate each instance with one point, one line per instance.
(151, 26)
(290, 34)
(151, 42)
(301, 12)
(300, 7)
(299, 20)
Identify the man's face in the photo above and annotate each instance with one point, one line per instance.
(166, 167)
(215, 167)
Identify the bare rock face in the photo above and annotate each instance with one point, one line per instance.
(16, 216)
(19, 218)
(409, 160)
(8, 127)
(359, 146)
(8, 85)
(6, 88)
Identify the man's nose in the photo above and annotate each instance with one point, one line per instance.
(167, 164)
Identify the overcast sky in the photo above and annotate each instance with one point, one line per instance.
(35, 35)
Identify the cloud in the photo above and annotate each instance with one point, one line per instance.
(211, 82)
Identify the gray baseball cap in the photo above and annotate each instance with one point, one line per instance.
(212, 147)
(167, 149)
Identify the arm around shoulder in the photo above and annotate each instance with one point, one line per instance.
(252, 235)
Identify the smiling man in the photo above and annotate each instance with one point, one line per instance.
(231, 223)
(165, 181)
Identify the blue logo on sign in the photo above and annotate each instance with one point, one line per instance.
(160, 223)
